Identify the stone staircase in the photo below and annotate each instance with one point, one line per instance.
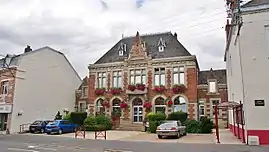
(130, 126)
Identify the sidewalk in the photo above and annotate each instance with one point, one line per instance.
(227, 137)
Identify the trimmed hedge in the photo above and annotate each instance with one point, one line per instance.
(98, 123)
(181, 116)
(157, 117)
(78, 117)
(67, 117)
(203, 126)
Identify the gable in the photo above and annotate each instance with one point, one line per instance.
(219, 75)
(173, 48)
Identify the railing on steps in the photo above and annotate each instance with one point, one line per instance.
(24, 128)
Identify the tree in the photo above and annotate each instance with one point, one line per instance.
(58, 116)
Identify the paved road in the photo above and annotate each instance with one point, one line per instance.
(30, 143)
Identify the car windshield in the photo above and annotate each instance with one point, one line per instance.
(37, 122)
(167, 125)
(53, 123)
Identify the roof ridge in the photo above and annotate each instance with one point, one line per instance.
(147, 34)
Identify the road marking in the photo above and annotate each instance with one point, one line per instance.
(41, 148)
(116, 150)
(19, 149)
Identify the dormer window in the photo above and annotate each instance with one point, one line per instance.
(124, 47)
(120, 52)
(161, 45)
(161, 48)
(212, 86)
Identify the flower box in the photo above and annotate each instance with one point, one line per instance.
(123, 105)
(131, 87)
(140, 87)
(100, 91)
(179, 88)
(147, 105)
(116, 91)
(159, 89)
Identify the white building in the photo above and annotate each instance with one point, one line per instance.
(36, 85)
(247, 61)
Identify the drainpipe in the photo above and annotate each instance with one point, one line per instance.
(234, 122)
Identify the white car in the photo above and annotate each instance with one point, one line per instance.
(171, 128)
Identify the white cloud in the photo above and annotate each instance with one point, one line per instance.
(85, 29)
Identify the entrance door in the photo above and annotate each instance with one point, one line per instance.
(138, 113)
(137, 110)
(3, 121)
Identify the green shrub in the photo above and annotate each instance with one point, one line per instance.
(181, 116)
(67, 117)
(192, 126)
(78, 117)
(206, 125)
(101, 122)
(153, 126)
(105, 121)
(58, 116)
(157, 117)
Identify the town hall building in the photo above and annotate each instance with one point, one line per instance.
(150, 73)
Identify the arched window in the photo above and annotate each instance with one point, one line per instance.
(100, 110)
(180, 104)
(160, 105)
(116, 110)
(137, 110)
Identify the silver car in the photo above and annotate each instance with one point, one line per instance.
(171, 128)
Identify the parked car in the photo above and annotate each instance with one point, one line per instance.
(171, 128)
(60, 126)
(38, 126)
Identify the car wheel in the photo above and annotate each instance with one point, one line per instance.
(178, 135)
(42, 131)
(60, 131)
(160, 137)
(184, 134)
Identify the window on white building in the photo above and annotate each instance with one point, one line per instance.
(138, 76)
(159, 76)
(178, 75)
(101, 80)
(117, 79)
(212, 86)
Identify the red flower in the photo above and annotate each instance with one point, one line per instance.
(131, 87)
(147, 105)
(179, 88)
(116, 91)
(159, 89)
(99, 91)
(140, 87)
(170, 103)
(123, 105)
(105, 104)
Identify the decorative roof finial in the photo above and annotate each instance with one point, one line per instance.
(137, 39)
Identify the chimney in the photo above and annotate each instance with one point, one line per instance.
(175, 35)
(27, 49)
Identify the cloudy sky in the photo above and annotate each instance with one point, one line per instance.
(86, 29)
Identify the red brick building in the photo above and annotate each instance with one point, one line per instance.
(149, 73)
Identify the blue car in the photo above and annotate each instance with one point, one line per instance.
(60, 126)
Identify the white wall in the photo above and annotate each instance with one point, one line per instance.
(255, 59)
(48, 86)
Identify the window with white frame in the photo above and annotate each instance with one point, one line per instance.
(178, 75)
(201, 109)
(101, 80)
(117, 79)
(85, 91)
(180, 104)
(161, 48)
(116, 109)
(138, 76)
(160, 105)
(4, 87)
(159, 76)
(212, 86)
(100, 109)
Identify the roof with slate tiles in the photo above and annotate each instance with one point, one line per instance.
(173, 48)
(219, 75)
